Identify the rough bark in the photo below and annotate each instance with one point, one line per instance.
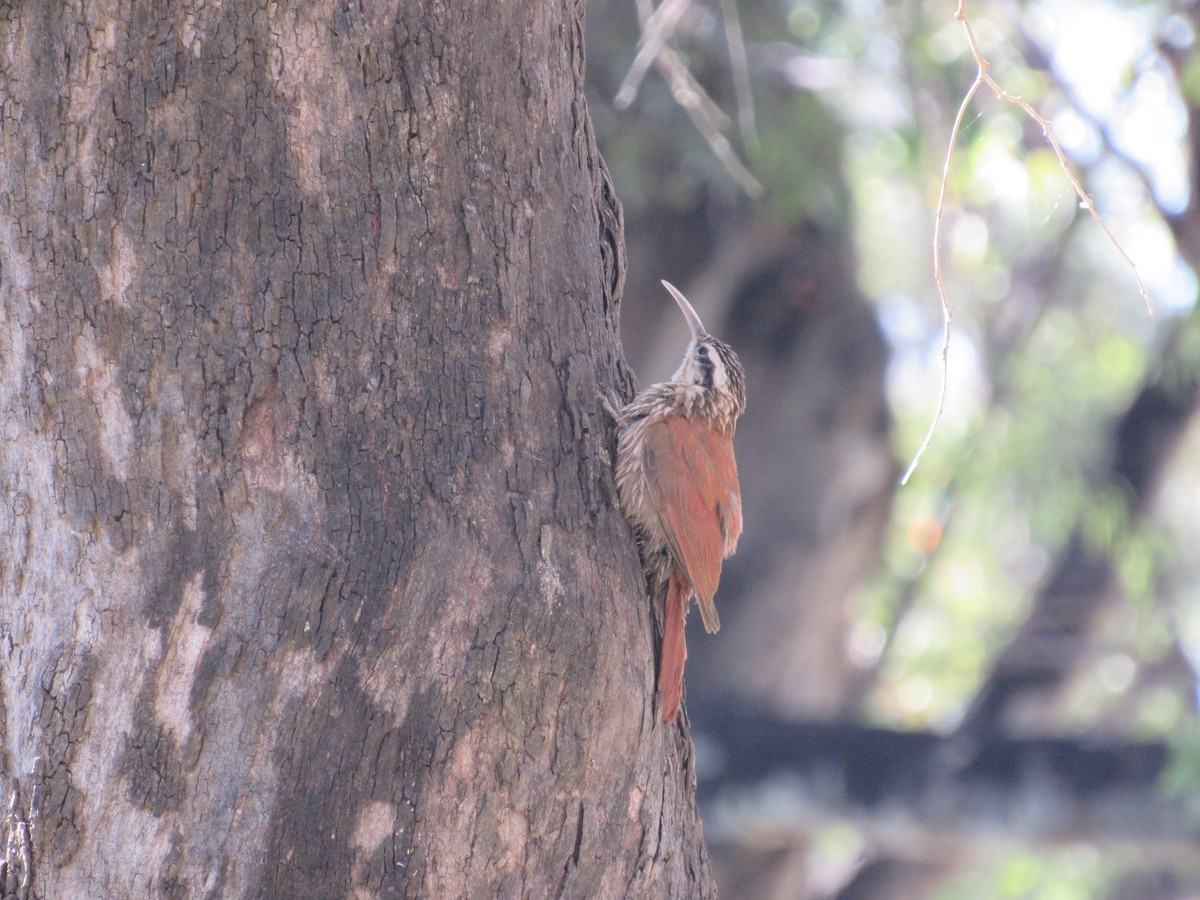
(313, 583)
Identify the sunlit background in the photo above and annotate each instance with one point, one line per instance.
(1059, 499)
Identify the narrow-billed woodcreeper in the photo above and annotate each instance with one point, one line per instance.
(678, 483)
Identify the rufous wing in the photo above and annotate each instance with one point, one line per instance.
(692, 480)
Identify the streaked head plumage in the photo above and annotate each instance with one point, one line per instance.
(711, 366)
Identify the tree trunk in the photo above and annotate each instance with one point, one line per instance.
(313, 581)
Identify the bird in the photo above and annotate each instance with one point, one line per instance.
(677, 482)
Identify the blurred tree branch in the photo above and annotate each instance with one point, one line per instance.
(919, 795)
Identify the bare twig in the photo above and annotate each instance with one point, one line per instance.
(656, 28)
(983, 78)
(707, 117)
(716, 140)
(741, 75)
(947, 313)
(1047, 132)
(678, 75)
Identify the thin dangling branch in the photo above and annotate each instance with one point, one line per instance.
(982, 78)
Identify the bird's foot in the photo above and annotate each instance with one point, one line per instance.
(612, 405)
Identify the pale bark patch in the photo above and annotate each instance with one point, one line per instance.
(100, 381)
(198, 23)
(115, 274)
(372, 828)
(304, 70)
(185, 642)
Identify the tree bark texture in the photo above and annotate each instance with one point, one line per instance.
(313, 580)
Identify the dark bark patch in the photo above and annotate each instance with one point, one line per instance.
(151, 762)
(66, 685)
(352, 762)
(171, 885)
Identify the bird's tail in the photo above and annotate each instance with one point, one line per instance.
(674, 648)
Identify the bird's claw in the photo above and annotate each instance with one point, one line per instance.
(612, 405)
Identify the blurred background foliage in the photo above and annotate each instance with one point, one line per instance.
(1038, 577)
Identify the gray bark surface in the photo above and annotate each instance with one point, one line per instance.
(313, 583)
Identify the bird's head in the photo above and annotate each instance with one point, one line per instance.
(710, 372)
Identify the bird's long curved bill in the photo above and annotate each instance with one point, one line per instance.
(693, 320)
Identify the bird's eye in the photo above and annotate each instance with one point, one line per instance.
(703, 350)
